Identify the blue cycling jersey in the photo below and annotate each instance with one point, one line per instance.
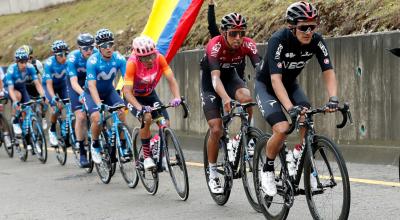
(14, 77)
(104, 71)
(55, 71)
(76, 65)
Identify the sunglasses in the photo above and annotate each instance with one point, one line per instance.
(236, 33)
(62, 54)
(306, 28)
(22, 61)
(147, 58)
(107, 45)
(87, 48)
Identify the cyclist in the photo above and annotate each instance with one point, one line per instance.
(220, 81)
(54, 83)
(14, 82)
(145, 68)
(76, 66)
(101, 70)
(30, 86)
(288, 51)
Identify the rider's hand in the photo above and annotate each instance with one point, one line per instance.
(227, 104)
(146, 109)
(332, 104)
(54, 101)
(16, 105)
(295, 111)
(210, 2)
(175, 102)
(82, 98)
(100, 106)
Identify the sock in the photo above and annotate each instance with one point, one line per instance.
(269, 165)
(146, 147)
(53, 127)
(213, 170)
(82, 149)
(15, 120)
(96, 143)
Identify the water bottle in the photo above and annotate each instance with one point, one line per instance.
(235, 145)
(229, 147)
(7, 139)
(291, 164)
(297, 151)
(154, 146)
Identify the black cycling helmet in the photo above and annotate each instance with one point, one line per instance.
(104, 35)
(21, 54)
(28, 49)
(85, 39)
(233, 20)
(59, 46)
(301, 11)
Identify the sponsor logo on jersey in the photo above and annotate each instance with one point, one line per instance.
(290, 55)
(59, 75)
(71, 58)
(212, 98)
(93, 60)
(271, 102)
(326, 61)
(294, 65)
(323, 48)
(306, 54)
(215, 49)
(278, 52)
(251, 46)
(279, 65)
(260, 105)
(104, 76)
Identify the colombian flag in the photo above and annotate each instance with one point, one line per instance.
(170, 22)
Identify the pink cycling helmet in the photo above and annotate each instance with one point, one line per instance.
(143, 46)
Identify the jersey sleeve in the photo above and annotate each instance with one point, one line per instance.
(71, 66)
(130, 73)
(274, 56)
(32, 71)
(122, 64)
(47, 70)
(252, 52)
(8, 77)
(322, 54)
(212, 52)
(165, 68)
(39, 67)
(91, 68)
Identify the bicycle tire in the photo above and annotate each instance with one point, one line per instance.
(321, 146)
(91, 163)
(148, 178)
(253, 134)
(21, 148)
(174, 157)
(265, 202)
(105, 168)
(61, 149)
(226, 171)
(127, 168)
(38, 140)
(5, 127)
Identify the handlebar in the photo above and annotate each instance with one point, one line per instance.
(345, 110)
(4, 98)
(235, 104)
(161, 107)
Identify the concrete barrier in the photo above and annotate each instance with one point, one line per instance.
(17, 6)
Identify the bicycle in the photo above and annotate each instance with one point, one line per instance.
(32, 133)
(234, 166)
(110, 143)
(169, 147)
(6, 133)
(317, 159)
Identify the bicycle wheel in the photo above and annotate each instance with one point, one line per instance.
(176, 164)
(89, 157)
(21, 148)
(6, 136)
(252, 136)
(272, 207)
(127, 167)
(61, 149)
(223, 168)
(38, 140)
(331, 199)
(149, 178)
(104, 169)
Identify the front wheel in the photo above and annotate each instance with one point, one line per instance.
(327, 188)
(127, 167)
(176, 164)
(61, 149)
(105, 168)
(224, 169)
(7, 136)
(149, 178)
(38, 140)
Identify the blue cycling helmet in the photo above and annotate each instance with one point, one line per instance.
(59, 46)
(104, 35)
(85, 39)
(21, 54)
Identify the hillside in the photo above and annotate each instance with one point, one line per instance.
(127, 18)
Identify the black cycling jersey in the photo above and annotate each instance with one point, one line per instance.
(285, 55)
(212, 24)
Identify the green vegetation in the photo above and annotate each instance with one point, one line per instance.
(127, 18)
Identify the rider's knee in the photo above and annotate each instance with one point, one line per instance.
(216, 130)
(280, 129)
(95, 117)
(80, 116)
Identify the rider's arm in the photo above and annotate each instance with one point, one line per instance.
(330, 82)
(218, 86)
(72, 74)
(280, 91)
(93, 91)
(39, 87)
(11, 92)
(324, 61)
(128, 95)
(91, 77)
(169, 75)
(49, 87)
(10, 84)
(75, 85)
(212, 25)
(128, 85)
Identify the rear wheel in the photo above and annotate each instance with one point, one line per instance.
(6, 136)
(105, 168)
(276, 207)
(21, 148)
(331, 199)
(61, 149)
(224, 169)
(253, 134)
(127, 167)
(149, 178)
(176, 164)
(38, 140)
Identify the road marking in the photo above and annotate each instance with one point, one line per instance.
(354, 180)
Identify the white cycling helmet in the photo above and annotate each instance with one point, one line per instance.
(143, 46)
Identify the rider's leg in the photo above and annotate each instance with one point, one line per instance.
(243, 96)
(16, 126)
